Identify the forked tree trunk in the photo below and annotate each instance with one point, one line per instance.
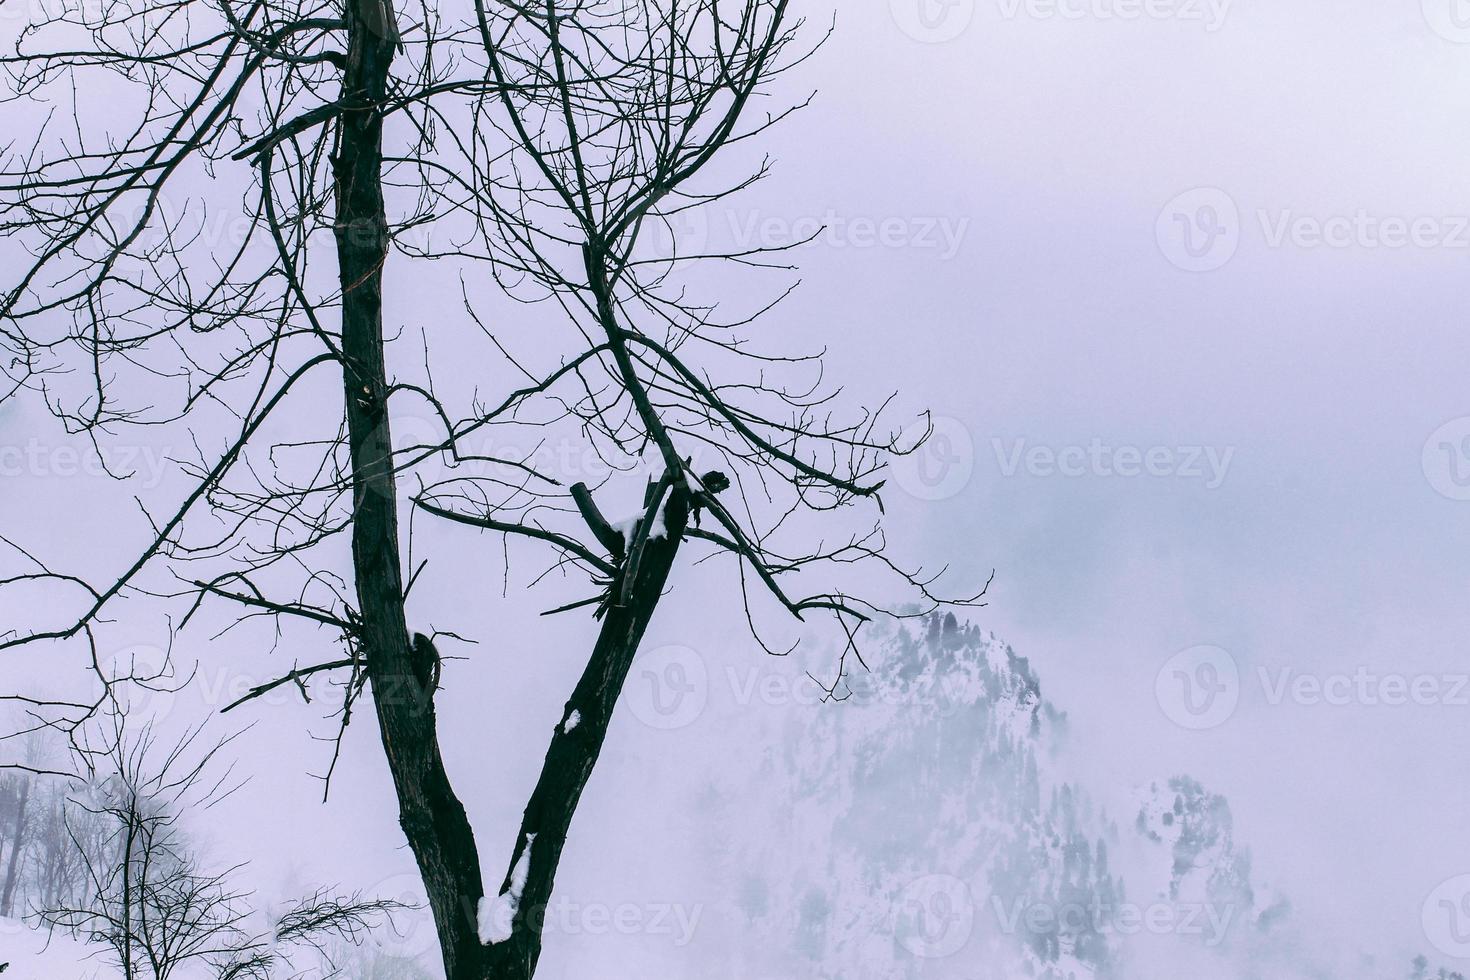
(432, 817)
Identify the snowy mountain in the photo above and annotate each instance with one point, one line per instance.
(921, 829)
(927, 835)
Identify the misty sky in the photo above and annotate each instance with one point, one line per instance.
(1222, 247)
(1064, 319)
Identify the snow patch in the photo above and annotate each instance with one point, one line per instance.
(573, 720)
(495, 917)
(628, 527)
(659, 528)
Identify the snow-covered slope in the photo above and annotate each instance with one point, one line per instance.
(32, 957)
(926, 836)
(920, 829)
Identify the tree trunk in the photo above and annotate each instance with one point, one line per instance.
(432, 817)
(127, 932)
(573, 754)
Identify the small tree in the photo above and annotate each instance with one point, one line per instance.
(15, 802)
(149, 899)
(37, 861)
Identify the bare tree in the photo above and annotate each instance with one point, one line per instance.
(18, 794)
(46, 866)
(30, 807)
(327, 930)
(536, 149)
(66, 839)
(149, 898)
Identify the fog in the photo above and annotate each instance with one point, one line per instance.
(1184, 286)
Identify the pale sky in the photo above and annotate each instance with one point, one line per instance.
(1005, 185)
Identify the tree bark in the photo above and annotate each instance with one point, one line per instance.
(573, 754)
(432, 817)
